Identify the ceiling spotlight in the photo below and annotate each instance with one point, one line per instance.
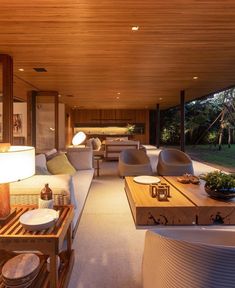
(21, 69)
(160, 99)
(118, 93)
(135, 28)
(59, 95)
(117, 97)
(195, 78)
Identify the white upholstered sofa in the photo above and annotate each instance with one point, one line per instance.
(67, 189)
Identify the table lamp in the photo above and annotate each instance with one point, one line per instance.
(16, 163)
(78, 138)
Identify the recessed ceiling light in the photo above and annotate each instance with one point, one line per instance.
(117, 97)
(59, 95)
(118, 93)
(21, 69)
(135, 28)
(160, 99)
(195, 77)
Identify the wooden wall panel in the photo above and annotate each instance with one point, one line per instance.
(86, 116)
(114, 117)
(108, 116)
(125, 115)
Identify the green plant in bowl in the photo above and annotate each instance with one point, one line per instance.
(220, 185)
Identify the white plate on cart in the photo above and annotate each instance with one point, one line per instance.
(39, 219)
(147, 179)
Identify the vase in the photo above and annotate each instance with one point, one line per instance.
(223, 194)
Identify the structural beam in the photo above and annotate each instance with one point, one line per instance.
(182, 120)
(158, 135)
(6, 63)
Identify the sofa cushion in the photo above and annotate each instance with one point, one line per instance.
(60, 165)
(81, 181)
(80, 158)
(59, 184)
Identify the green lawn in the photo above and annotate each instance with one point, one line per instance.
(211, 154)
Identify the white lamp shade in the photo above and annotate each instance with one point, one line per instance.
(17, 163)
(79, 138)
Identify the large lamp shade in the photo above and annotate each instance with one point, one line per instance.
(16, 163)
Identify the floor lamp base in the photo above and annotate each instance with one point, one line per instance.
(5, 208)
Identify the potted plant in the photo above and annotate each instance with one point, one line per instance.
(220, 185)
(130, 128)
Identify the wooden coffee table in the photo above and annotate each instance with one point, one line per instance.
(178, 210)
(13, 237)
(209, 210)
(189, 204)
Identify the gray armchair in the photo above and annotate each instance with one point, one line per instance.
(173, 162)
(133, 162)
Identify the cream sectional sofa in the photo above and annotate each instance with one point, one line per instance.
(67, 189)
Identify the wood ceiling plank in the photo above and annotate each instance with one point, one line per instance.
(89, 50)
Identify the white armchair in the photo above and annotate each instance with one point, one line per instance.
(189, 257)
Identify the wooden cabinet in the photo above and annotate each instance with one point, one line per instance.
(108, 116)
(86, 116)
(115, 117)
(125, 116)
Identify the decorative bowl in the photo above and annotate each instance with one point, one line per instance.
(39, 219)
(223, 194)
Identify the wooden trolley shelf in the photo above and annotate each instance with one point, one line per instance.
(13, 237)
(43, 280)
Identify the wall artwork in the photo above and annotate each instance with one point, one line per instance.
(17, 124)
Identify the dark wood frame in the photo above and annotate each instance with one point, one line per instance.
(182, 120)
(7, 89)
(31, 118)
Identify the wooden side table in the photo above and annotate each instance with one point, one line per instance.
(97, 160)
(13, 237)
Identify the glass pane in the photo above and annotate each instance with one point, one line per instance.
(45, 123)
(1, 99)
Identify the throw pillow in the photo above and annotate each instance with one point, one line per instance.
(89, 143)
(96, 144)
(51, 156)
(60, 165)
(50, 152)
(41, 171)
(40, 161)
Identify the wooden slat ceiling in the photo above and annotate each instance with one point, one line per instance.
(90, 51)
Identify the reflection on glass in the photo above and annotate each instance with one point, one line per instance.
(1, 99)
(45, 123)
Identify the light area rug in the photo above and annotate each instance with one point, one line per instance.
(108, 247)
